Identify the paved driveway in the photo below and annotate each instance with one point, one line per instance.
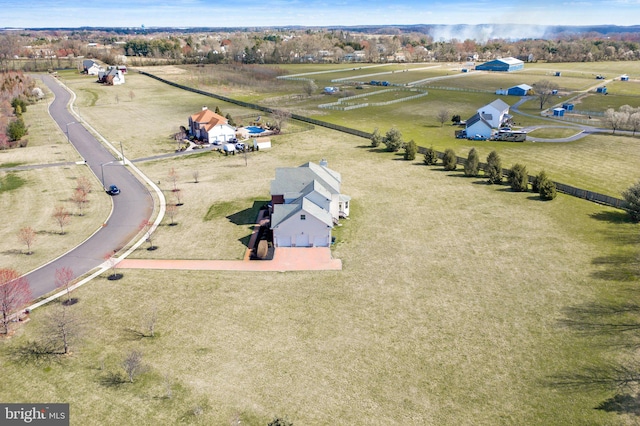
(284, 259)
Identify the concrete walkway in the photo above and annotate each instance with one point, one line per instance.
(284, 259)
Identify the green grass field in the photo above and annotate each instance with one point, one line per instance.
(458, 302)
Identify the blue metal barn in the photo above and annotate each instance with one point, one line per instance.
(504, 64)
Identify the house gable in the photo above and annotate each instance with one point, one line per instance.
(306, 202)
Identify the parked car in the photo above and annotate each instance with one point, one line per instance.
(478, 138)
(240, 146)
(113, 190)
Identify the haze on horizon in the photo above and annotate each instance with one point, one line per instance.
(279, 13)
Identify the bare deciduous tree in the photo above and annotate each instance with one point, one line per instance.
(152, 319)
(196, 176)
(544, 90)
(27, 236)
(172, 212)
(147, 227)
(310, 87)
(62, 217)
(132, 364)
(61, 328)
(615, 119)
(280, 116)
(84, 184)
(131, 95)
(113, 263)
(173, 178)
(443, 116)
(64, 277)
(634, 122)
(14, 294)
(80, 199)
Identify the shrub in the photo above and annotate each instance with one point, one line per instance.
(430, 156)
(393, 140)
(19, 106)
(548, 190)
(537, 181)
(16, 129)
(410, 150)
(376, 138)
(493, 169)
(472, 165)
(450, 161)
(519, 178)
(632, 197)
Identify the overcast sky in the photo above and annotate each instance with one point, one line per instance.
(242, 13)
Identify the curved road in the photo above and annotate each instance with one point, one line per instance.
(130, 208)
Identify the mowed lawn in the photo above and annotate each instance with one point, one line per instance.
(450, 308)
(447, 310)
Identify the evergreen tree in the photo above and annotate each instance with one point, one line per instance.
(538, 180)
(430, 156)
(632, 197)
(376, 138)
(518, 178)
(410, 150)
(493, 169)
(548, 190)
(450, 161)
(472, 165)
(16, 129)
(393, 140)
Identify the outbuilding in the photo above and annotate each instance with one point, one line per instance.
(624, 77)
(504, 64)
(558, 112)
(520, 90)
(568, 107)
(602, 90)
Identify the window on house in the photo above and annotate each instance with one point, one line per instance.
(346, 204)
(303, 217)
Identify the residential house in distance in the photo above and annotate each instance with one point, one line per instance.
(91, 67)
(112, 76)
(306, 204)
(210, 127)
(496, 113)
(491, 116)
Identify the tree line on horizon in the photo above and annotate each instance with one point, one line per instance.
(278, 46)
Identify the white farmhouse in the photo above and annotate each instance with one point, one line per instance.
(495, 113)
(90, 67)
(306, 203)
(112, 76)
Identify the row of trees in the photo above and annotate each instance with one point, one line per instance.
(61, 215)
(17, 91)
(285, 46)
(625, 118)
(517, 176)
(61, 327)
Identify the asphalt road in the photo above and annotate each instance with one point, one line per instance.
(130, 208)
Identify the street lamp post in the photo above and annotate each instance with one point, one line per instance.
(102, 173)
